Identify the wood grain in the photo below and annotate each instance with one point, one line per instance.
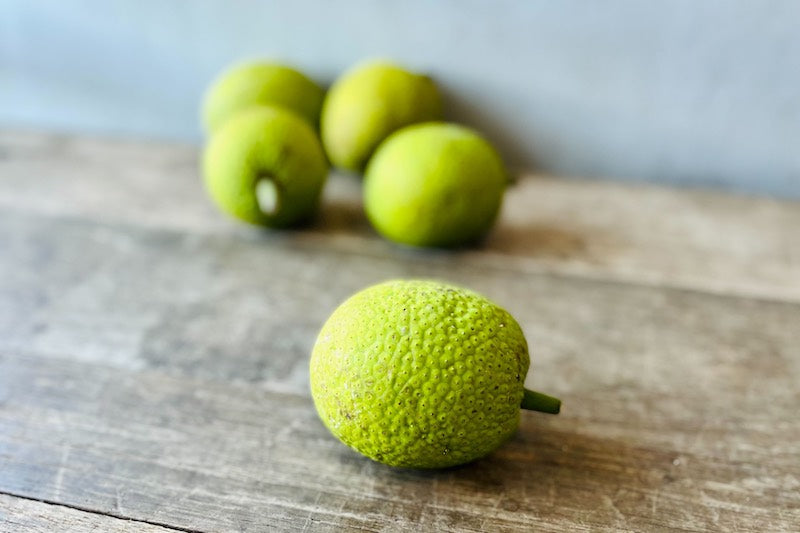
(248, 310)
(18, 514)
(154, 356)
(171, 368)
(599, 230)
(211, 456)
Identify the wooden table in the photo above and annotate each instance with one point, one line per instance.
(153, 356)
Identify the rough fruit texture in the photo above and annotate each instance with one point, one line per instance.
(420, 374)
(434, 184)
(265, 146)
(254, 84)
(367, 104)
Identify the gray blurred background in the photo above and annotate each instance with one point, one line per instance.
(682, 92)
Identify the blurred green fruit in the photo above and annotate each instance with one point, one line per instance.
(252, 84)
(367, 104)
(434, 184)
(265, 166)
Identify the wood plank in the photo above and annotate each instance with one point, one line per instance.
(163, 376)
(212, 456)
(634, 233)
(19, 514)
(224, 307)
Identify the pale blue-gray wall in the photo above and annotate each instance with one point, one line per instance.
(691, 92)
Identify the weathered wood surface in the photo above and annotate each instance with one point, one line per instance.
(635, 233)
(153, 363)
(210, 456)
(18, 514)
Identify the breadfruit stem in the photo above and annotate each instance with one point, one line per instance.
(268, 194)
(536, 401)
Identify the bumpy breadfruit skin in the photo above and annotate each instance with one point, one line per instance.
(420, 374)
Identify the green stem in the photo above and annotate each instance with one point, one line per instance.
(536, 401)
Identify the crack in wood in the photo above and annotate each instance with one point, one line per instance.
(101, 513)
